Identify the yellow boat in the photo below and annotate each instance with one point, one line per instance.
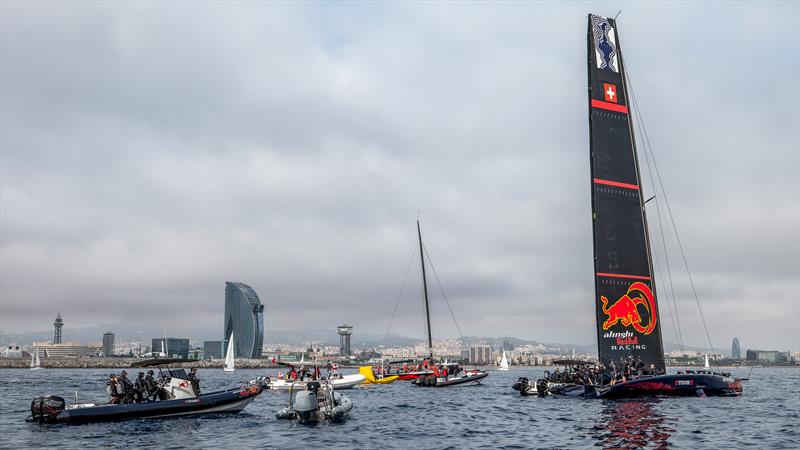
(369, 374)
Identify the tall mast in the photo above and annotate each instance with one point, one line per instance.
(425, 290)
(625, 303)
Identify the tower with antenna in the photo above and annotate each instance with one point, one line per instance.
(57, 334)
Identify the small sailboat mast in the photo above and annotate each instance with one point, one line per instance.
(36, 364)
(229, 365)
(425, 290)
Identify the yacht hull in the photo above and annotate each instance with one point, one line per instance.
(228, 401)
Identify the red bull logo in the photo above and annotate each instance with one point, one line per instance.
(626, 310)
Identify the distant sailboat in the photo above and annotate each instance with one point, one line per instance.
(706, 362)
(503, 362)
(35, 363)
(229, 356)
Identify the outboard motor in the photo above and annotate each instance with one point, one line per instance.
(306, 405)
(541, 387)
(46, 409)
(523, 385)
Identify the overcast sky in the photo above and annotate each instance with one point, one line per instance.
(151, 151)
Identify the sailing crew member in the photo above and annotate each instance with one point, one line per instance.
(151, 386)
(111, 389)
(127, 387)
(195, 381)
(334, 368)
(139, 388)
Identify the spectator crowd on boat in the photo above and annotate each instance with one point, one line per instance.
(145, 389)
(600, 374)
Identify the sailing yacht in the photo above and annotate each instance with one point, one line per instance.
(503, 362)
(36, 364)
(229, 367)
(626, 306)
(447, 374)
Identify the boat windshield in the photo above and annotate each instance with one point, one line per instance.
(178, 373)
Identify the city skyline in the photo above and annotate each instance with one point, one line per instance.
(146, 160)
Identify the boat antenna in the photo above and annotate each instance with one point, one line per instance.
(425, 290)
(618, 13)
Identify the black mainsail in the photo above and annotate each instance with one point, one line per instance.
(625, 300)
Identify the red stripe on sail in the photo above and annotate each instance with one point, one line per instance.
(621, 275)
(609, 106)
(616, 183)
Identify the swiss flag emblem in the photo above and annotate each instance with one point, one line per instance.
(610, 92)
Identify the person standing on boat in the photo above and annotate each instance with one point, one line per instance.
(111, 389)
(195, 381)
(334, 368)
(127, 387)
(140, 388)
(150, 386)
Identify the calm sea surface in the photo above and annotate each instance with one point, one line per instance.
(400, 415)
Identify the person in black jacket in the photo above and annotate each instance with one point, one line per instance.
(195, 381)
(151, 386)
(127, 387)
(140, 388)
(111, 389)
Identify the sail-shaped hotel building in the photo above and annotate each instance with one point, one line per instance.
(244, 316)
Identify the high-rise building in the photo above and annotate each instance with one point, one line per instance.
(736, 351)
(345, 331)
(214, 349)
(57, 334)
(480, 354)
(108, 344)
(173, 347)
(244, 316)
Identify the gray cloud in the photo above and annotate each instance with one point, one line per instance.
(151, 152)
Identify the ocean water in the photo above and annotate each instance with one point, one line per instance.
(400, 415)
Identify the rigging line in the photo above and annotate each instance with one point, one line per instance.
(672, 220)
(435, 275)
(669, 304)
(660, 223)
(400, 294)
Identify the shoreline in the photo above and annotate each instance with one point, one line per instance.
(127, 363)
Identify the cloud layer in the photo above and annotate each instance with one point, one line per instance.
(150, 152)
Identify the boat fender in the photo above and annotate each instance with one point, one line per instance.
(46, 409)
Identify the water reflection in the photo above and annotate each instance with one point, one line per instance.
(632, 424)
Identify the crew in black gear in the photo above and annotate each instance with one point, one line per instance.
(140, 388)
(195, 381)
(127, 387)
(151, 385)
(111, 389)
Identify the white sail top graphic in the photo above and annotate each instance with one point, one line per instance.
(229, 356)
(35, 363)
(706, 362)
(503, 362)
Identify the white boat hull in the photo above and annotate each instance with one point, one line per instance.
(346, 382)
